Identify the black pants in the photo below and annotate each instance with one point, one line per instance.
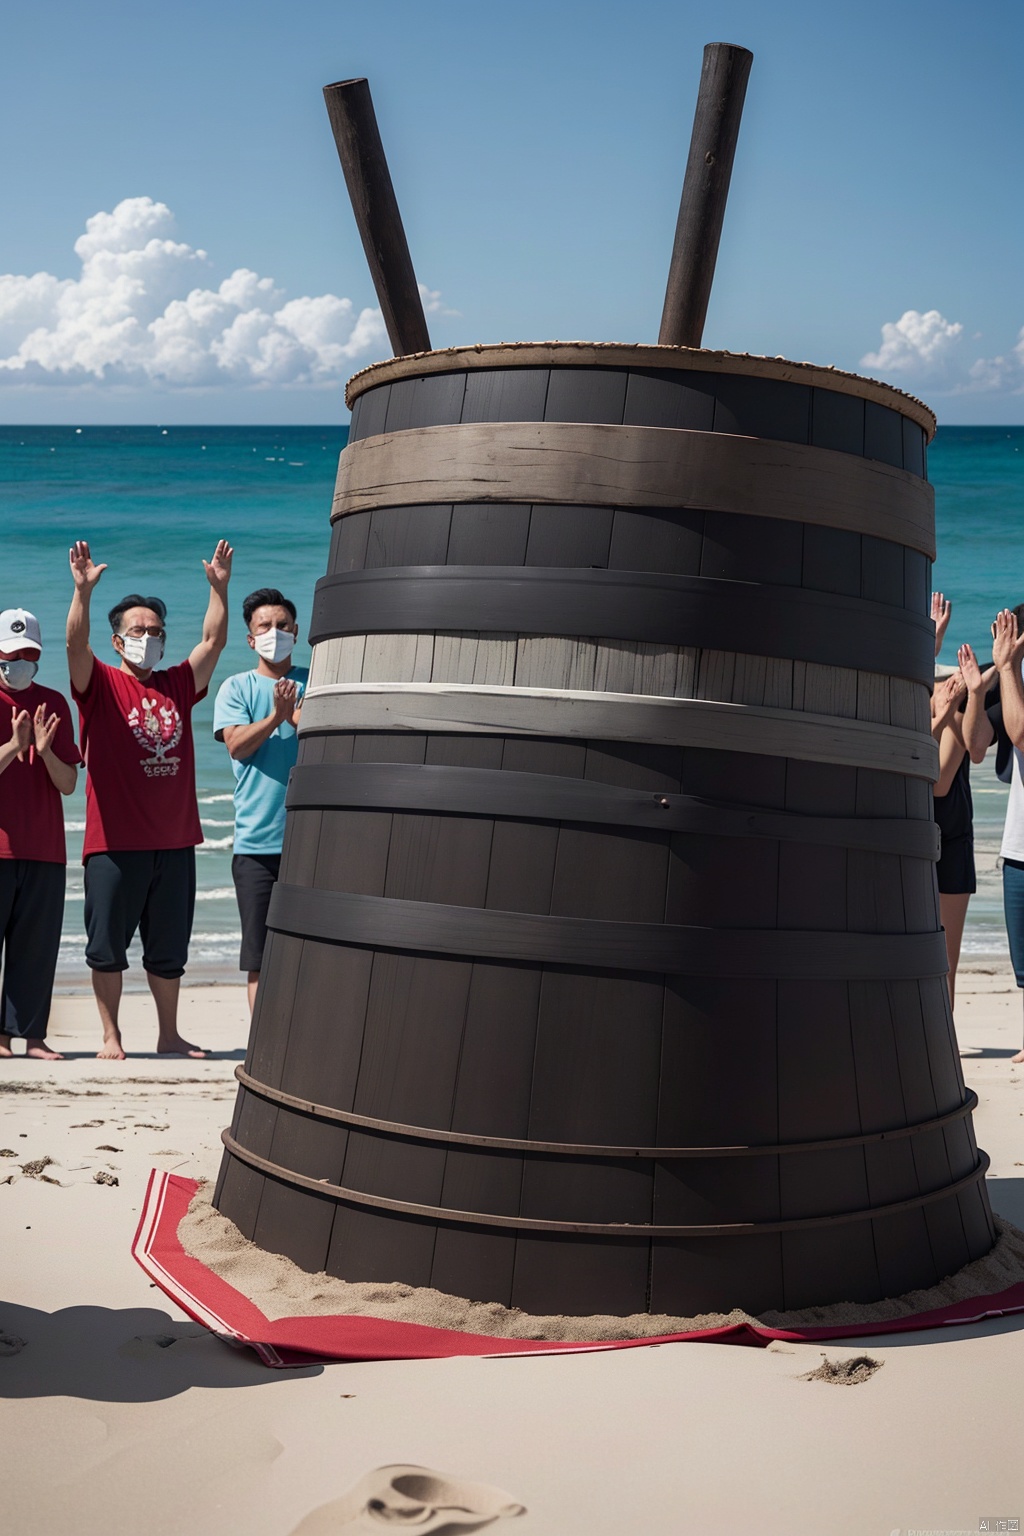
(31, 913)
(254, 875)
(153, 892)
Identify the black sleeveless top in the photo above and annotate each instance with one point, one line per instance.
(954, 811)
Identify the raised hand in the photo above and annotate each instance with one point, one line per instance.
(970, 671)
(941, 610)
(44, 728)
(1007, 644)
(84, 571)
(946, 695)
(218, 570)
(21, 731)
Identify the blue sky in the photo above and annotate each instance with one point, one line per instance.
(538, 153)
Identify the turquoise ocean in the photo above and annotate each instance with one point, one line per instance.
(153, 501)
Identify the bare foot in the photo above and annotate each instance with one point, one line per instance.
(112, 1050)
(41, 1051)
(1016, 1060)
(176, 1046)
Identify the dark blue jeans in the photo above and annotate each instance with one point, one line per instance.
(1013, 909)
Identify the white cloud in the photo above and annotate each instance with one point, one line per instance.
(992, 374)
(923, 344)
(930, 352)
(143, 311)
(430, 298)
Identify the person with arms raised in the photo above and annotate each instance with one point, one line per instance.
(953, 805)
(255, 716)
(1001, 720)
(38, 766)
(142, 818)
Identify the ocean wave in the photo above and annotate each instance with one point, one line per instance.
(74, 826)
(215, 844)
(214, 799)
(226, 936)
(218, 893)
(210, 821)
(986, 946)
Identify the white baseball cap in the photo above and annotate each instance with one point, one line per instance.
(18, 629)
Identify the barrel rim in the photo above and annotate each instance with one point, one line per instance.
(615, 354)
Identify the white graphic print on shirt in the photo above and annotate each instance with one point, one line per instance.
(157, 728)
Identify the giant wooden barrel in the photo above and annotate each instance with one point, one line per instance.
(605, 971)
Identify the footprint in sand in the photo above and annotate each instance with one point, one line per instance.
(151, 1346)
(143, 1345)
(844, 1373)
(414, 1497)
(36, 1170)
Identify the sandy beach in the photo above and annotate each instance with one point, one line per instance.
(125, 1416)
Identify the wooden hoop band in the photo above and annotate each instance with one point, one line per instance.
(570, 1149)
(550, 797)
(478, 709)
(609, 1229)
(566, 463)
(669, 949)
(788, 622)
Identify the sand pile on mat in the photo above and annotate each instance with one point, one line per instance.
(280, 1289)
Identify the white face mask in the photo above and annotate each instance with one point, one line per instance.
(18, 674)
(275, 645)
(143, 651)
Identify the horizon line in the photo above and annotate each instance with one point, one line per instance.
(327, 425)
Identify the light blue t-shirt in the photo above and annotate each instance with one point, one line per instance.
(262, 779)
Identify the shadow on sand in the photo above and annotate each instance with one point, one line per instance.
(992, 1327)
(133, 1355)
(1007, 1198)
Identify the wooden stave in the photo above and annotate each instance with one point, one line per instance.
(658, 1266)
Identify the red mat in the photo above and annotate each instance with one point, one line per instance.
(294, 1341)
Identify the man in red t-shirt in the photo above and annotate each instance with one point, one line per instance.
(38, 765)
(141, 817)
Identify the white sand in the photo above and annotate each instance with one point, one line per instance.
(111, 1429)
(280, 1289)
